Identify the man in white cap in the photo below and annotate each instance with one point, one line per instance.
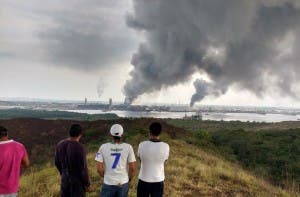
(116, 163)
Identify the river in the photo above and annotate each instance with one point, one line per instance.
(244, 117)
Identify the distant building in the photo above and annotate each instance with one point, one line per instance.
(110, 102)
(197, 116)
(85, 101)
(127, 101)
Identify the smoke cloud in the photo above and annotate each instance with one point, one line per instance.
(88, 35)
(253, 45)
(100, 87)
(202, 88)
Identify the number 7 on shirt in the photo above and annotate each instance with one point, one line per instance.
(117, 158)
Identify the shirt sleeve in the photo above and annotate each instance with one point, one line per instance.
(57, 161)
(167, 151)
(139, 151)
(131, 157)
(25, 152)
(99, 155)
(84, 171)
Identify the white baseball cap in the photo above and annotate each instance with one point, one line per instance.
(116, 130)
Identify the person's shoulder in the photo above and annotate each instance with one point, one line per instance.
(165, 144)
(61, 142)
(144, 142)
(18, 144)
(127, 145)
(107, 144)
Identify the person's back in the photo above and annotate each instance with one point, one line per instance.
(13, 156)
(153, 154)
(116, 163)
(116, 158)
(70, 160)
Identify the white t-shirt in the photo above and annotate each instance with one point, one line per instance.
(153, 155)
(115, 158)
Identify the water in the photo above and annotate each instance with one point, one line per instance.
(244, 117)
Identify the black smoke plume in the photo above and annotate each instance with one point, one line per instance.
(251, 44)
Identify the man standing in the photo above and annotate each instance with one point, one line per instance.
(116, 162)
(152, 153)
(13, 156)
(70, 160)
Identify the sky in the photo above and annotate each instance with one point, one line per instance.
(217, 52)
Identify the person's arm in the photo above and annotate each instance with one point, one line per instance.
(83, 167)
(131, 170)
(100, 162)
(167, 152)
(139, 152)
(25, 161)
(57, 162)
(100, 168)
(131, 163)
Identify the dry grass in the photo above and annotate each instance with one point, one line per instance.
(189, 172)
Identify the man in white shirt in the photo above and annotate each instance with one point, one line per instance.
(116, 163)
(153, 154)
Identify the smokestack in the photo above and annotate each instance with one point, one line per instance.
(127, 101)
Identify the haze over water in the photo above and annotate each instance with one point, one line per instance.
(218, 116)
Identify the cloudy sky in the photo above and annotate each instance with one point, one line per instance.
(227, 52)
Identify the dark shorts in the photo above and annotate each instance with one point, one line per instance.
(71, 187)
(146, 189)
(114, 190)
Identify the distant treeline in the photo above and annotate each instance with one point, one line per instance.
(44, 114)
(269, 150)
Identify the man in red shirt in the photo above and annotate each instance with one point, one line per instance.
(13, 157)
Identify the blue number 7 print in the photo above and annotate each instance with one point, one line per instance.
(117, 155)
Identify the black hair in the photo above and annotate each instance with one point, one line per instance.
(75, 130)
(155, 128)
(117, 138)
(3, 131)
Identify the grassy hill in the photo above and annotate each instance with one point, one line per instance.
(194, 169)
(270, 150)
(189, 171)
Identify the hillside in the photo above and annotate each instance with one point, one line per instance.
(190, 171)
(54, 114)
(270, 150)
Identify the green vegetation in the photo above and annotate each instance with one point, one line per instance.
(43, 114)
(208, 158)
(190, 172)
(267, 150)
(275, 155)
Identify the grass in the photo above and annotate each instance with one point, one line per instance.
(270, 150)
(190, 171)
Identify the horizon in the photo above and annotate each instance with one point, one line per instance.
(78, 101)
